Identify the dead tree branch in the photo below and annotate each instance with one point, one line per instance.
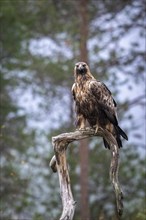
(58, 164)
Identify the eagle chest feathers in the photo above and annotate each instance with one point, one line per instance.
(86, 103)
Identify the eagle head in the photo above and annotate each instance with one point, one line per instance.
(81, 68)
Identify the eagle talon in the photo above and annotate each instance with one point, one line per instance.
(82, 129)
(88, 128)
(85, 129)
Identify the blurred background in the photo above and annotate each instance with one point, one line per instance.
(41, 40)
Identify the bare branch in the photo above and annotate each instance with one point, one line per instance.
(59, 163)
(114, 169)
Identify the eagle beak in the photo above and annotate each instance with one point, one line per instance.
(81, 68)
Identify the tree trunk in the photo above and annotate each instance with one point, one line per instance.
(84, 161)
(83, 145)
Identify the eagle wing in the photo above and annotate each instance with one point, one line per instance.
(107, 104)
(104, 99)
(73, 90)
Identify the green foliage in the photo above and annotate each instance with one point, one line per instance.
(141, 215)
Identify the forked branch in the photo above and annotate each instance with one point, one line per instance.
(58, 164)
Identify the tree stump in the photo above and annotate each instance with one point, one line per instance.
(58, 164)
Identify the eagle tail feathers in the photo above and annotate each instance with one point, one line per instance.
(122, 133)
(119, 142)
(118, 132)
(106, 144)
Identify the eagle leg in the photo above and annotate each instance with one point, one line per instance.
(81, 122)
(96, 128)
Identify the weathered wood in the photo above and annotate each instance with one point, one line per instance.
(114, 168)
(58, 164)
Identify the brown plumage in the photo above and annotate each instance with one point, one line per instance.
(94, 103)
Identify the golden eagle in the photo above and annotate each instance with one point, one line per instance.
(94, 104)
